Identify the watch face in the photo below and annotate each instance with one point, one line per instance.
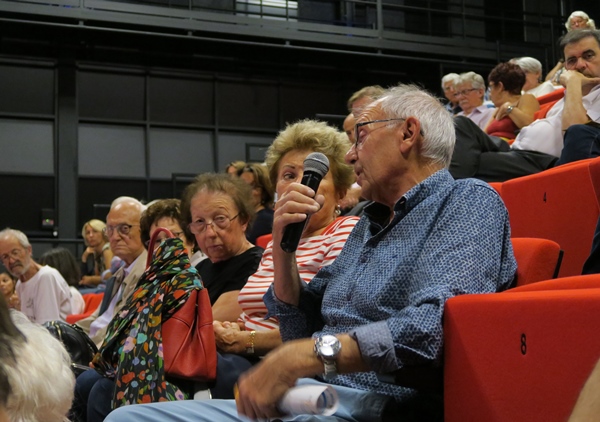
(328, 346)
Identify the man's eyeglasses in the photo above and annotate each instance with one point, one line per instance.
(163, 236)
(220, 222)
(360, 140)
(465, 91)
(14, 254)
(122, 229)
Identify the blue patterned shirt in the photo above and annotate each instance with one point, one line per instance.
(388, 286)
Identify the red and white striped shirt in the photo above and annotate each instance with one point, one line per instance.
(312, 254)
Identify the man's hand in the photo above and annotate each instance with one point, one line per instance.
(230, 337)
(261, 388)
(575, 77)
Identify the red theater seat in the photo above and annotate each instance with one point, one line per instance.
(551, 97)
(263, 240)
(537, 259)
(92, 301)
(561, 204)
(520, 356)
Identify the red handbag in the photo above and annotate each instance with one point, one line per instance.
(189, 346)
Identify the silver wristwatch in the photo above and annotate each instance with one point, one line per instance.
(327, 348)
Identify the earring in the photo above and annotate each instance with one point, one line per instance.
(338, 210)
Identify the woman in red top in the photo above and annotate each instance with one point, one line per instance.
(513, 110)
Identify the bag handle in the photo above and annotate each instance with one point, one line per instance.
(153, 241)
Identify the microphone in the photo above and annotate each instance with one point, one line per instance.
(316, 166)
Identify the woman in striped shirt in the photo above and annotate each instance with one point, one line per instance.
(256, 333)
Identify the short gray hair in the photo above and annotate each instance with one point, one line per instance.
(437, 125)
(476, 80)
(454, 77)
(18, 234)
(528, 64)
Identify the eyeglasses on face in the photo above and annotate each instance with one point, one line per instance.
(220, 222)
(362, 136)
(465, 92)
(14, 254)
(122, 229)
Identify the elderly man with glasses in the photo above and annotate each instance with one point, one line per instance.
(124, 235)
(43, 293)
(470, 93)
(377, 309)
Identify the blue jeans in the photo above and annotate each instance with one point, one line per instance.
(581, 142)
(93, 397)
(355, 406)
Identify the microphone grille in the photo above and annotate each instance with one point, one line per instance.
(317, 162)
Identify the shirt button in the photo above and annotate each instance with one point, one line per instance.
(363, 259)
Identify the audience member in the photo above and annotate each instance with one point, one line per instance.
(533, 77)
(8, 283)
(217, 210)
(362, 97)
(97, 255)
(348, 126)
(63, 260)
(129, 364)
(262, 198)
(235, 168)
(166, 213)
(577, 20)
(36, 381)
(124, 235)
(449, 83)
(378, 307)
(539, 144)
(43, 293)
(470, 92)
(257, 332)
(356, 103)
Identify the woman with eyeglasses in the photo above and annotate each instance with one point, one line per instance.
(218, 210)
(97, 256)
(256, 175)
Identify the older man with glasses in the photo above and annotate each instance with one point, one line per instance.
(470, 93)
(43, 293)
(124, 235)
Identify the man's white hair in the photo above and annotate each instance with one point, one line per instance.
(476, 80)
(17, 234)
(41, 380)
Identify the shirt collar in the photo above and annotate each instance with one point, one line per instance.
(379, 214)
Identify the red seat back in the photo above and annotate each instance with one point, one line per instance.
(537, 259)
(551, 97)
(561, 204)
(263, 240)
(92, 301)
(520, 356)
